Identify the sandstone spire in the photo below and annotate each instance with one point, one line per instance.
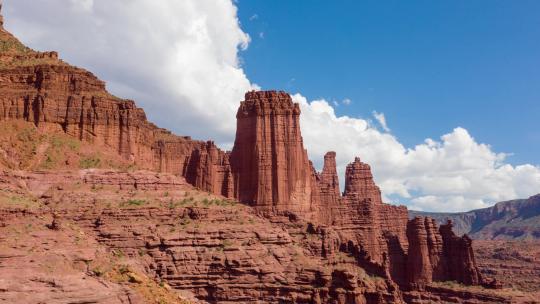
(270, 166)
(329, 182)
(329, 177)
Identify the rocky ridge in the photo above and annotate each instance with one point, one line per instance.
(509, 220)
(308, 243)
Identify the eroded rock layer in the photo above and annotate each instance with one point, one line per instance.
(308, 242)
(40, 88)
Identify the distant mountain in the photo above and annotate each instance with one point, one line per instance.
(509, 220)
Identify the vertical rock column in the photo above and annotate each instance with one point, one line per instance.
(438, 255)
(328, 189)
(419, 267)
(270, 166)
(459, 256)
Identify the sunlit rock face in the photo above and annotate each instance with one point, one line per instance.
(304, 241)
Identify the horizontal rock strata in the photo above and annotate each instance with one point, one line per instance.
(299, 241)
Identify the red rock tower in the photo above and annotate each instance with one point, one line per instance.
(359, 183)
(270, 166)
(329, 182)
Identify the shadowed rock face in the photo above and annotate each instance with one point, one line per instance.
(438, 255)
(335, 237)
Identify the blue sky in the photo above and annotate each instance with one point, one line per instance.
(429, 66)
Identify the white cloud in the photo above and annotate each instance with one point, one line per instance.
(382, 120)
(448, 204)
(346, 101)
(453, 174)
(179, 60)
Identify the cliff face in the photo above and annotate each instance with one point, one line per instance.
(509, 220)
(39, 88)
(268, 169)
(438, 255)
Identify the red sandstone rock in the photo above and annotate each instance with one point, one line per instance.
(40, 88)
(219, 253)
(281, 259)
(359, 183)
(270, 166)
(425, 250)
(459, 256)
(439, 255)
(328, 188)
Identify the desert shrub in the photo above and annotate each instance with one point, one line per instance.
(98, 272)
(60, 142)
(123, 269)
(89, 162)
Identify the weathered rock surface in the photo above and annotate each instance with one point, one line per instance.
(514, 264)
(215, 249)
(439, 255)
(40, 88)
(270, 166)
(296, 239)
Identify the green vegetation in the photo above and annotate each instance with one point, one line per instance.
(191, 202)
(89, 162)
(60, 142)
(226, 243)
(13, 45)
(184, 222)
(123, 269)
(21, 138)
(16, 200)
(133, 202)
(98, 272)
(118, 253)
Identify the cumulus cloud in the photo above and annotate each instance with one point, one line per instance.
(454, 173)
(382, 120)
(180, 61)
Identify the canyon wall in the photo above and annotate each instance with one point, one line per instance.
(40, 88)
(267, 169)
